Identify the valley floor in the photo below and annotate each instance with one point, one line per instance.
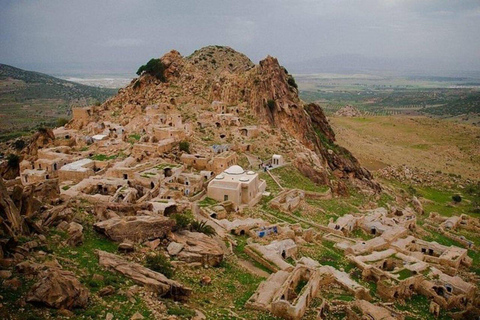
(430, 144)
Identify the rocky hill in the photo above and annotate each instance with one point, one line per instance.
(263, 94)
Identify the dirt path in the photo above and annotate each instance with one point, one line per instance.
(252, 268)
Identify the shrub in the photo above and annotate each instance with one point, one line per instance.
(160, 263)
(155, 68)
(13, 161)
(271, 104)
(202, 227)
(61, 122)
(182, 221)
(291, 82)
(457, 198)
(185, 146)
(19, 144)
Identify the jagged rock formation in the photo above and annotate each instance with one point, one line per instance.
(266, 90)
(59, 289)
(152, 280)
(11, 220)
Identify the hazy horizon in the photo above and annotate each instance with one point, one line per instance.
(307, 36)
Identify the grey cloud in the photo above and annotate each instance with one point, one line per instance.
(122, 34)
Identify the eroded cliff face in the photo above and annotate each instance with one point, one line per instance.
(266, 90)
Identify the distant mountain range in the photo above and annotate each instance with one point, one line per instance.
(30, 99)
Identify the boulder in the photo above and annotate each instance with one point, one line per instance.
(154, 281)
(198, 247)
(417, 205)
(174, 248)
(59, 289)
(136, 229)
(75, 234)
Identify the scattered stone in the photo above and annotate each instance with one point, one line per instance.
(126, 246)
(153, 244)
(65, 313)
(97, 277)
(109, 316)
(174, 248)
(137, 316)
(5, 274)
(14, 283)
(108, 290)
(205, 281)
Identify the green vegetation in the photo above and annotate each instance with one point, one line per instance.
(61, 122)
(160, 263)
(457, 198)
(291, 81)
(182, 221)
(377, 95)
(155, 68)
(13, 161)
(202, 227)
(271, 105)
(103, 157)
(185, 221)
(31, 99)
(207, 202)
(404, 274)
(290, 177)
(184, 146)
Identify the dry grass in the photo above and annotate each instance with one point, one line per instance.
(434, 145)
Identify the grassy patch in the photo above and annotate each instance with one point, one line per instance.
(290, 177)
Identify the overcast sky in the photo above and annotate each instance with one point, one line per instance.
(119, 35)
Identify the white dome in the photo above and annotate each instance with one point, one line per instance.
(235, 170)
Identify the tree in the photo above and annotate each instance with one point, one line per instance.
(457, 198)
(155, 68)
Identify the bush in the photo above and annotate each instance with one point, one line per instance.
(202, 227)
(13, 161)
(155, 68)
(457, 198)
(271, 104)
(61, 122)
(19, 144)
(182, 221)
(160, 263)
(291, 82)
(185, 146)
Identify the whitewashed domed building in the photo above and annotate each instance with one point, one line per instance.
(243, 188)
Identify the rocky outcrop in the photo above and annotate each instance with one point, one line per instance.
(195, 247)
(348, 111)
(11, 220)
(267, 90)
(150, 279)
(42, 138)
(59, 289)
(136, 229)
